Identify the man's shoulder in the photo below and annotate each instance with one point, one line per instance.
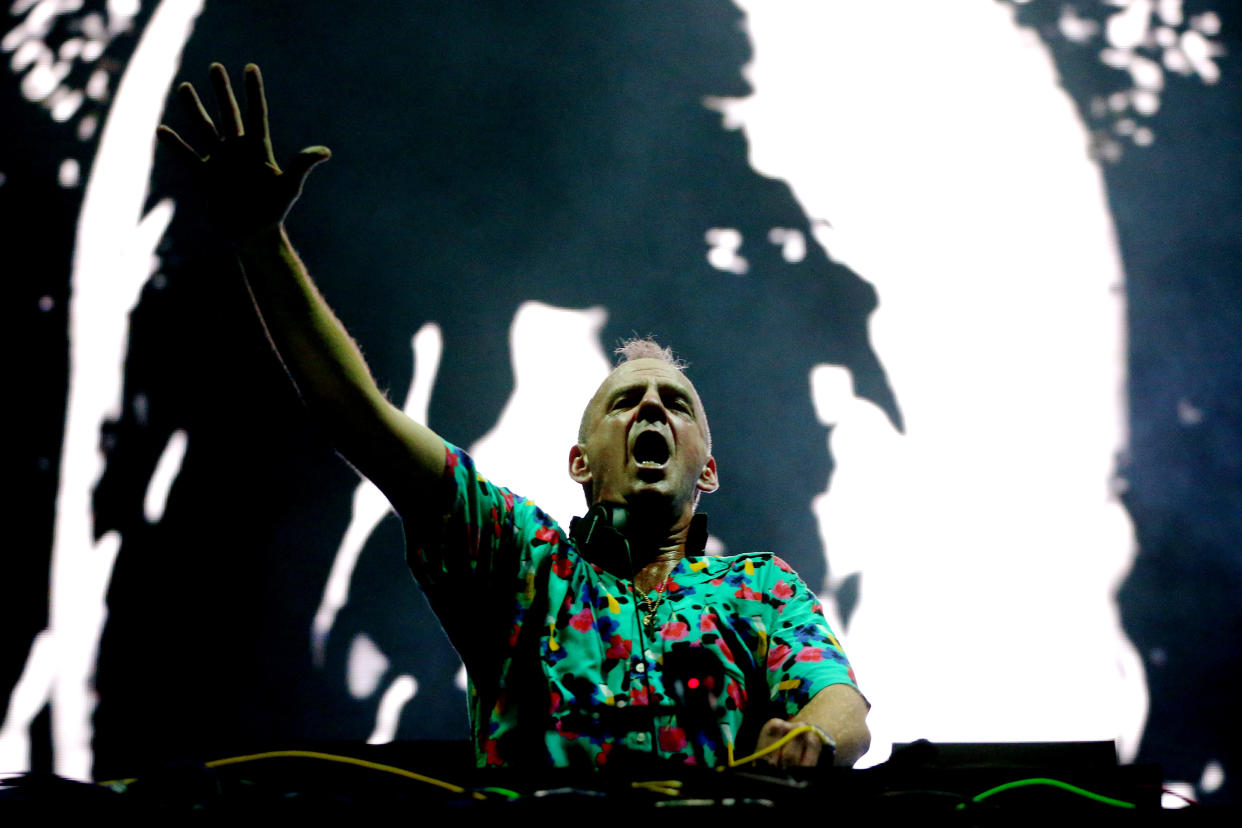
(465, 494)
(748, 563)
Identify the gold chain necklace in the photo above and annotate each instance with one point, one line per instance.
(649, 606)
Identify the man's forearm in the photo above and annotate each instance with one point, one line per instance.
(322, 359)
(327, 367)
(841, 712)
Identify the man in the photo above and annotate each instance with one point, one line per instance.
(618, 640)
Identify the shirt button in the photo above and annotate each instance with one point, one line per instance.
(640, 737)
(620, 702)
(640, 667)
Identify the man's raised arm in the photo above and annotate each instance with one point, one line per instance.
(248, 196)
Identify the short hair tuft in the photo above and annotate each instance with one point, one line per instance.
(645, 347)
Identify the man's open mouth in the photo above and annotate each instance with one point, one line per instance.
(650, 450)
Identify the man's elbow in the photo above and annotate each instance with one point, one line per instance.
(852, 744)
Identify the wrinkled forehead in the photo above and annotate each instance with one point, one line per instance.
(643, 372)
(638, 372)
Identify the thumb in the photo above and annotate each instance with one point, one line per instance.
(301, 164)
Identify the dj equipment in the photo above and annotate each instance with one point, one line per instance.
(952, 784)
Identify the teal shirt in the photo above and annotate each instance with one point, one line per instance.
(563, 671)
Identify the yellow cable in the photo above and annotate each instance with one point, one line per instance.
(777, 745)
(669, 787)
(345, 760)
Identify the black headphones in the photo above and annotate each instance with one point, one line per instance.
(601, 536)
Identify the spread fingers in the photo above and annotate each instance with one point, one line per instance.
(230, 113)
(177, 145)
(202, 122)
(256, 100)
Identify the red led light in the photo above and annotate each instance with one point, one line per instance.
(693, 684)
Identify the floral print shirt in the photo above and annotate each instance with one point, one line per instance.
(565, 672)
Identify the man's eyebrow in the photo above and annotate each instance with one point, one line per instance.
(665, 387)
(678, 392)
(622, 390)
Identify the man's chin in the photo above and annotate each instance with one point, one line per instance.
(651, 475)
(647, 497)
(654, 502)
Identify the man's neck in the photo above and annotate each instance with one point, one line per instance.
(653, 539)
(655, 550)
(655, 570)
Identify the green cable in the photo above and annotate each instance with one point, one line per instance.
(1055, 783)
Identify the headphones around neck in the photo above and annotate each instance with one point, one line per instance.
(601, 536)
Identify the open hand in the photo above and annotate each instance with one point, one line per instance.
(247, 192)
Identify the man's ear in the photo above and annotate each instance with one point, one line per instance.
(708, 481)
(579, 466)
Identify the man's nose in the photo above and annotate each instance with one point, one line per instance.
(651, 407)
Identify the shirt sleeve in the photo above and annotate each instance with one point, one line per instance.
(476, 556)
(476, 531)
(803, 654)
